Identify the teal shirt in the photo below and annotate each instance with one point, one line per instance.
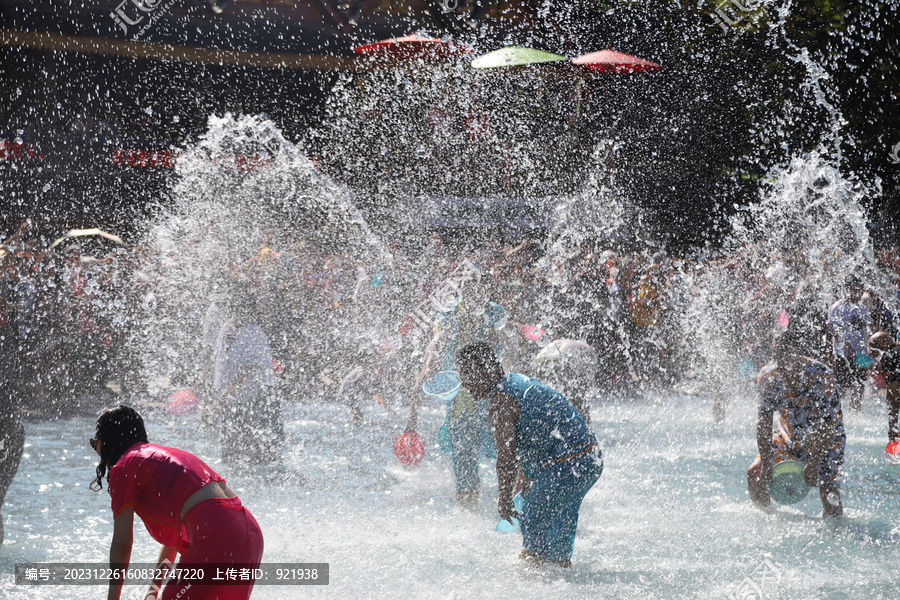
(548, 427)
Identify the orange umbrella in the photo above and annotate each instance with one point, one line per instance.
(410, 47)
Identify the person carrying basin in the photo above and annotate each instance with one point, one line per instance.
(469, 317)
(185, 505)
(810, 424)
(543, 438)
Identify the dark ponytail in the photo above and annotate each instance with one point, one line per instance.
(118, 429)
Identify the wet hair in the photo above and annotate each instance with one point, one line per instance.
(792, 336)
(479, 356)
(118, 429)
(853, 282)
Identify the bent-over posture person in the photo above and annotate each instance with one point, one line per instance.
(810, 426)
(537, 429)
(185, 505)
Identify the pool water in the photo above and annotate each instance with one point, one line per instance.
(669, 518)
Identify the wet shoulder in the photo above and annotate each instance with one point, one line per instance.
(514, 382)
(147, 456)
(135, 451)
(129, 464)
(768, 375)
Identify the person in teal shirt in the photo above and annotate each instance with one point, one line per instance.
(469, 318)
(543, 438)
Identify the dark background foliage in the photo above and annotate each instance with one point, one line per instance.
(697, 140)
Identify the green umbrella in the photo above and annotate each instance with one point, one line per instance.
(515, 56)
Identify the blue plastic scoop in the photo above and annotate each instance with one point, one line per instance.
(504, 525)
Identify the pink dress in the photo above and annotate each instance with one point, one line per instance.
(157, 481)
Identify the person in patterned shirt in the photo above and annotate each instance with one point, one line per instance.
(810, 427)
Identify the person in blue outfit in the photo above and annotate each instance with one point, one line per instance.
(803, 395)
(248, 405)
(474, 318)
(848, 324)
(543, 438)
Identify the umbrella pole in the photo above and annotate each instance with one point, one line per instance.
(577, 98)
(607, 89)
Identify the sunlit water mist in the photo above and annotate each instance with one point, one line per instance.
(787, 254)
(241, 194)
(790, 253)
(448, 130)
(670, 517)
(525, 139)
(417, 135)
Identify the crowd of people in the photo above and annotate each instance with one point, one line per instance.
(64, 319)
(586, 322)
(299, 323)
(359, 329)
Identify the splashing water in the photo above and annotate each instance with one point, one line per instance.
(787, 257)
(249, 209)
(241, 191)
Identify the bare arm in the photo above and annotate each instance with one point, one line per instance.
(504, 413)
(523, 483)
(413, 419)
(120, 549)
(764, 443)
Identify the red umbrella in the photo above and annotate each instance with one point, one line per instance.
(609, 61)
(411, 47)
